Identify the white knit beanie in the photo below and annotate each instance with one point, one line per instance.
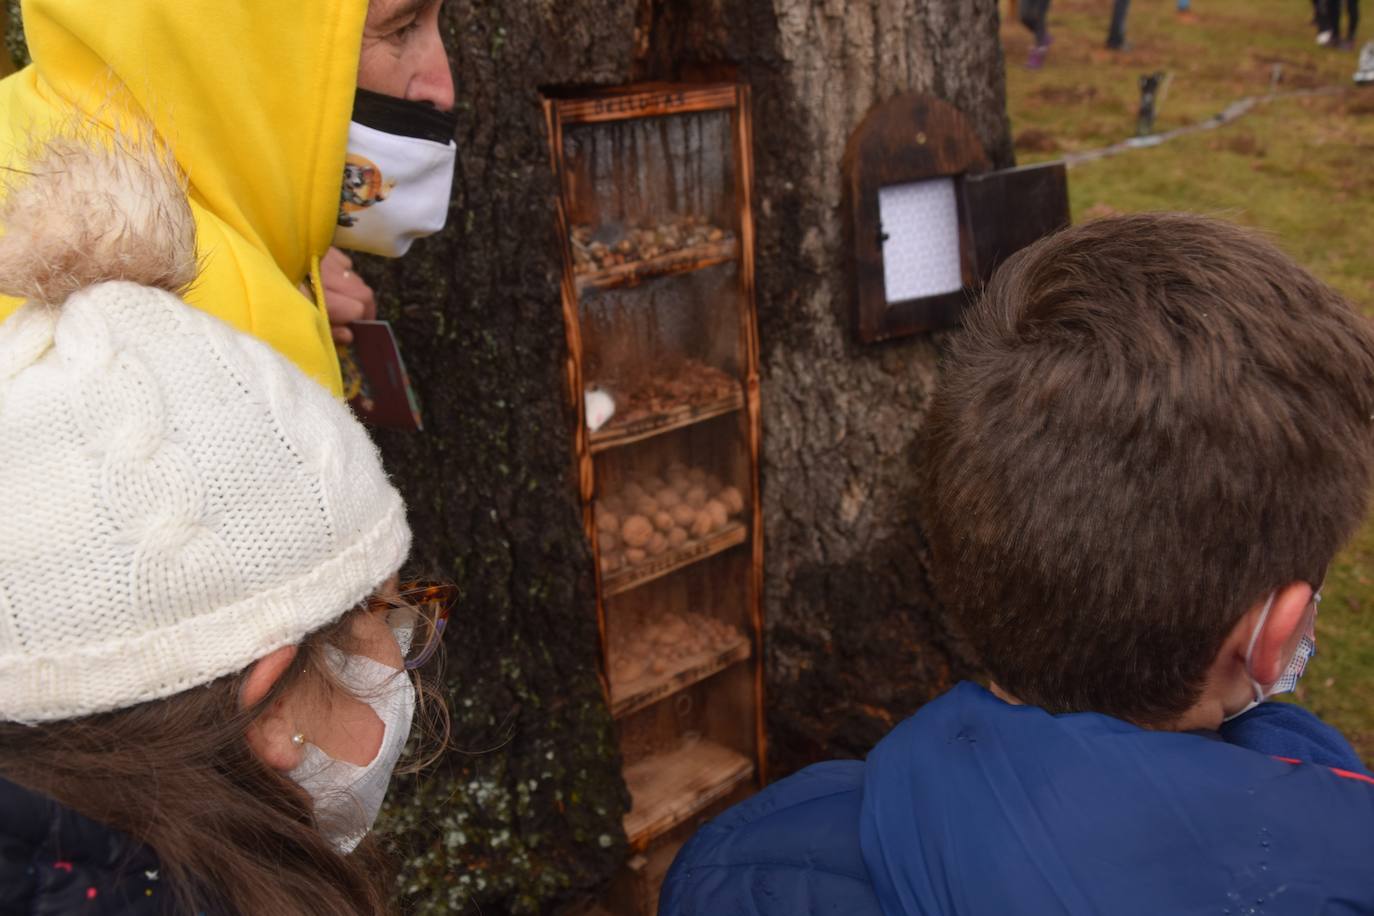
(176, 499)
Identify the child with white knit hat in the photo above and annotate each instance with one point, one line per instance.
(203, 684)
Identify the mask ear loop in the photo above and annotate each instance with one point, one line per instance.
(1250, 649)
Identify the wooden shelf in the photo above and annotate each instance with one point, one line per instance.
(615, 436)
(684, 260)
(622, 580)
(668, 789)
(650, 688)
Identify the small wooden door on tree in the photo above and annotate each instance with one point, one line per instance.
(658, 299)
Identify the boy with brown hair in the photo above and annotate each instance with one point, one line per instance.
(1149, 442)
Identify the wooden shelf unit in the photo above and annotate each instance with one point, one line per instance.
(692, 734)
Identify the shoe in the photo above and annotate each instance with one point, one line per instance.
(1036, 58)
(1346, 44)
(1324, 38)
(1123, 47)
(1364, 71)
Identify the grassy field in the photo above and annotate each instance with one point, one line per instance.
(1301, 169)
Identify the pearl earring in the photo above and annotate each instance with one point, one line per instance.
(298, 739)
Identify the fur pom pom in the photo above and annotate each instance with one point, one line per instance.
(85, 209)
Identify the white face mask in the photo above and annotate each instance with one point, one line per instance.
(1307, 647)
(348, 797)
(397, 176)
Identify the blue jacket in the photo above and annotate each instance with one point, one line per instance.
(974, 807)
(54, 862)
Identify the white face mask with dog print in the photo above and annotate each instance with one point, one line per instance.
(397, 176)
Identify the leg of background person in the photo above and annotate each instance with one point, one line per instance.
(1352, 15)
(1116, 34)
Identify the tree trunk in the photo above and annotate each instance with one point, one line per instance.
(855, 641)
(528, 812)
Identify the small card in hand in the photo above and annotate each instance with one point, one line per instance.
(375, 380)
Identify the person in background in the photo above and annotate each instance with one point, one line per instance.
(1035, 17)
(288, 134)
(1185, 11)
(207, 672)
(1116, 31)
(1148, 443)
(1330, 30)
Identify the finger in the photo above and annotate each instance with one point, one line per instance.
(335, 258)
(344, 309)
(341, 334)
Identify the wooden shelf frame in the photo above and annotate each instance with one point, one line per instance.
(670, 790)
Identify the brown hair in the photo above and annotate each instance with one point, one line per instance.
(1149, 423)
(232, 834)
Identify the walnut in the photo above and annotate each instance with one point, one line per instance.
(612, 505)
(696, 497)
(718, 514)
(658, 544)
(610, 562)
(632, 493)
(733, 499)
(647, 506)
(608, 541)
(652, 484)
(702, 526)
(663, 521)
(677, 537)
(684, 515)
(634, 556)
(607, 521)
(713, 484)
(637, 531)
(696, 475)
(667, 497)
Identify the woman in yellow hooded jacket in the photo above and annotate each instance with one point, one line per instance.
(254, 98)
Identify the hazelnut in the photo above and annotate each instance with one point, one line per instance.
(634, 556)
(733, 499)
(637, 531)
(696, 497)
(677, 537)
(658, 544)
(663, 521)
(718, 514)
(684, 515)
(702, 526)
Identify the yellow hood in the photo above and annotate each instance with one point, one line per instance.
(254, 99)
